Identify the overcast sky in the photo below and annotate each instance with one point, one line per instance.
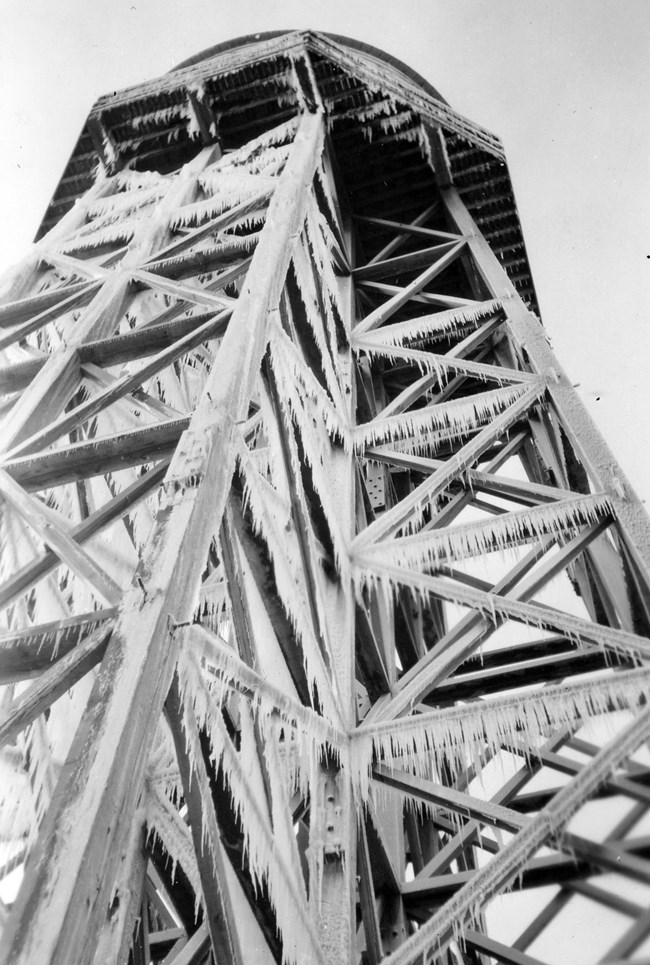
(564, 83)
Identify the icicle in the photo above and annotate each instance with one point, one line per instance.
(281, 543)
(129, 180)
(217, 179)
(163, 773)
(266, 860)
(164, 821)
(371, 572)
(326, 342)
(219, 252)
(451, 419)
(110, 153)
(369, 111)
(265, 698)
(199, 212)
(263, 499)
(92, 237)
(272, 144)
(324, 184)
(322, 242)
(393, 125)
(315, 416)
(443, 365)
(274, 466)
(561, 518)
(282, 788)
(299, 383)
(125, 203)
(159, 118)
(454, 736)
(428, 327)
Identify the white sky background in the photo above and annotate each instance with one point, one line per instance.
(564, 83)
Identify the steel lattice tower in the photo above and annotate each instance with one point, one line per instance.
(326, 607)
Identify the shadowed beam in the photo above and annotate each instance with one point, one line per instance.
(205, 832)
(52, 683)
(26, 653)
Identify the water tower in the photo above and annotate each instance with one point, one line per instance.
(325, 606)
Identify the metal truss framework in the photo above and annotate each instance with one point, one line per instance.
(319, 584)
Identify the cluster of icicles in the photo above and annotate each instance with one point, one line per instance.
(380, 116)
(378, 576)
(428, 743)
(292, 739)
(269, 839)
(442, 421)
(414, 430)
(180, 118)
(426, 550)
(113, 213)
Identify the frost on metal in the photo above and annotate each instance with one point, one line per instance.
(308, 567)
